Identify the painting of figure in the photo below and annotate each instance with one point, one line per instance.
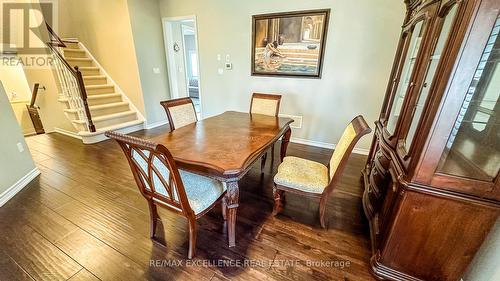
(289, 44)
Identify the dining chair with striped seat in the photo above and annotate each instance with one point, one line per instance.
(312, 179)
(162, 184)
(180, 112)
(266, 104)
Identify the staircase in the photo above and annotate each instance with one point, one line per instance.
(109, 108)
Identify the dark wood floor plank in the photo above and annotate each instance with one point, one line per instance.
(87, 194)
(36, 255)
(40, 218)
(126, 231)
(103, 261)
(83, 275)
(10, 270)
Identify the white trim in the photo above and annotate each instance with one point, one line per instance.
(172, 74)
(313, 143)
(356, 150)
(117, 87)
(67, 133)
(361, 151)
(153, 125)
(184, 54)
(18, 186)
(167, 38)
(124, 128)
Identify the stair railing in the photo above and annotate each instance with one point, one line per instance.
(70, 79)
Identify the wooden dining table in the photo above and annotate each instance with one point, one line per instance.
(224, 147)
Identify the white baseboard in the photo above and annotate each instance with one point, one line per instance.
(18, 186)
(361, 151)
(326, 145)
(153, 125)
(67, 133)
(99, 136)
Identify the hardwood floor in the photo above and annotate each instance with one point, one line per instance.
(84, 219)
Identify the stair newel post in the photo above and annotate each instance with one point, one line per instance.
(83, 94)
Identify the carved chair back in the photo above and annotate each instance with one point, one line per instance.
(266, 104)
(154, 172)
(356, 129)
(180, 112)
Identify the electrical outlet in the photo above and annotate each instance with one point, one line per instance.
(297, 120)
(156, 70)
(220, 71)
(20, 147)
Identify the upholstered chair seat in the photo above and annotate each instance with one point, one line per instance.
(302, 174)
(313, 179)
(201, 191)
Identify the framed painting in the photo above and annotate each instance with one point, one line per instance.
(289, 44)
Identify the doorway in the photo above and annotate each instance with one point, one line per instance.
(21, 96)
(181, 47)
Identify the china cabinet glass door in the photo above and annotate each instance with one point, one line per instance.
(473, 147)
(405, 82)
(431, 71)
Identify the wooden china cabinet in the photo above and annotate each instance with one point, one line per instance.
(432, 187)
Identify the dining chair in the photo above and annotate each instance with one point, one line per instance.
(180, 112)
(315, 180)
(162, 184)
(266, 104)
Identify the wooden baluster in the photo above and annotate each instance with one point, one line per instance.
(83, 94)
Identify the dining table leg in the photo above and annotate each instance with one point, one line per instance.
(284, 143)
(232, 201)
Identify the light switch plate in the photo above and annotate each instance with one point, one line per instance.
(220, 71)
(20, 147)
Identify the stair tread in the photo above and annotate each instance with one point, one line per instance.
(101, 106)
(108, 105)
(94, 77)
(100, 96)
(74, 50)
(108, 116)
(79, 59)
(99, 86)
(88, 67)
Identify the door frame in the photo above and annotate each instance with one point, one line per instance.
(185, 54)
(172, 72)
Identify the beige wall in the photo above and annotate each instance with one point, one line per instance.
(104, 28)
(13, 164)
(361, 43)
(485, 266)
(150, 50)
(19, 94)
(51, 111)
